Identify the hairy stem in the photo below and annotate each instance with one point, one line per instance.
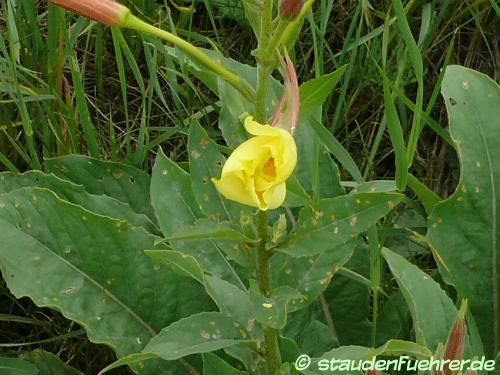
(264, 280)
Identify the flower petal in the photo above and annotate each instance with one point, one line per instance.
(273, 198)
(232, 187)
(255, 128)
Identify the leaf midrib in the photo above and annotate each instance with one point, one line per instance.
(102, 288)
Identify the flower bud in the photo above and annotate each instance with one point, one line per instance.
(108, 12)
(279, 230)
(290, 9)
(456, 339)
(373, 372)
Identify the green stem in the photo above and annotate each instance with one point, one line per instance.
(263, 73)
(132, 22)
(274, 43)
(375, 277)
(264, 280)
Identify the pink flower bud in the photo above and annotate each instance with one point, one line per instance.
(108, 12)
(290, 9)
(456, 339)
(287, 118)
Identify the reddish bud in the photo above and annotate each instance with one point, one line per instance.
(373, 372)
(290, 9)
(287, 112)
(108, 12)
(456, 339)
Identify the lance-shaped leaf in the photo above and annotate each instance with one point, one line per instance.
(464, 228)
(100, 204)
(345, 354)
(49, 364)
(213, 365)
(120, 181)
(176, 208)
(432, 311)
(336, 221)
(93, 270)
(314, 92)
(272, 311)
(16, 366)
(310, 276)
(206, 161)
(202, 333)
(351, 353)
(206, 229)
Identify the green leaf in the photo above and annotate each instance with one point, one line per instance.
(128, 360)
(314, 92)
(397, 137)
(92, 269)
(213, 365)
(376, 186)
(49, 364)
(233, 105)
(310, 276)
(288, 369)
(206, 229)
(296, 195)
(100, 204)
(205, 163)
(176, 208)
(337, 150)
(393, 320)
(233, 302)
(171, 192)
(360, 353)
(15, 366)
(401, 347)
(464, 229)
(336, 221)
(349, 301)
(316, 170)
(352, 353)
(317, 339)
(202, 333)
(182, 264)
(432, 311)
(253, 12)
(272, 311)
(120, 181)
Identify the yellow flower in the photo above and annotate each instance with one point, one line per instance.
(256, 172)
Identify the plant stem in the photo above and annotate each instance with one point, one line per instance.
(264, 280)
(375, 277)
(262, 85)
(132, 22)
(328, 315)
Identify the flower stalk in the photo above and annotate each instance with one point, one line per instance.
(112, 13)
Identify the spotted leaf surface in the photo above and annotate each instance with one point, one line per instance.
(120, 181)
(92, 269)
(73, 193)
(432, 311)
(205, 162)
(176, 209)
(310, 276)
(464, 228)
(336, 221)
(200, 333)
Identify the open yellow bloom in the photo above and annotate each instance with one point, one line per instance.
(256, 172)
